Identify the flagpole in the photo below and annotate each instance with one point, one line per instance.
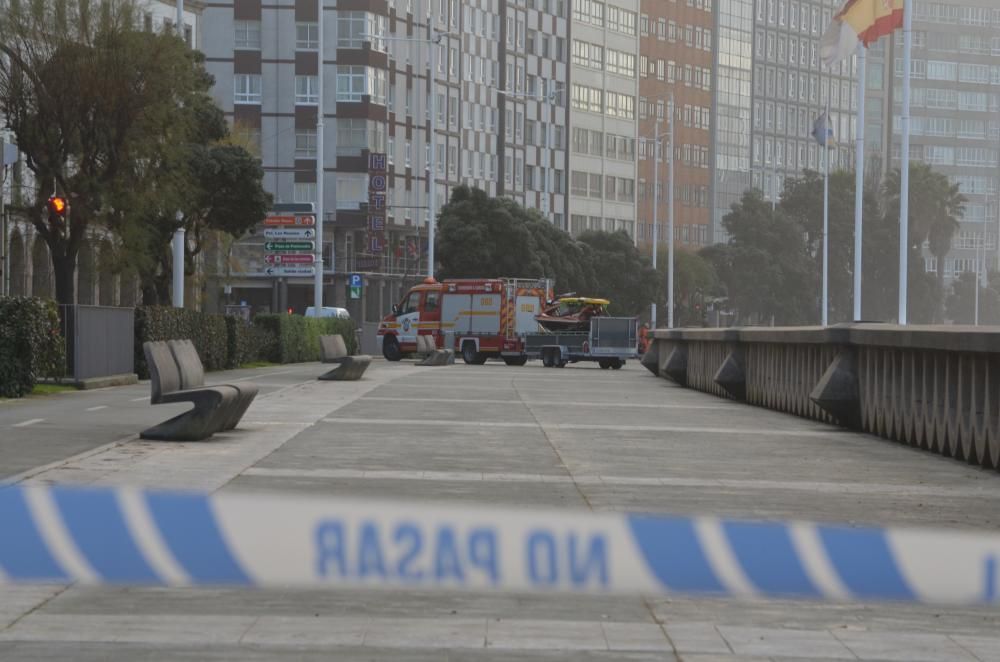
(904, 165)
(826, 213)
(859, 179)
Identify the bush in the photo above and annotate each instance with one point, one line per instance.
(31, 345)
(245, 343)
(295, 339)
(208, 332)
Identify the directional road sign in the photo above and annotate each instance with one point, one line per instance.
(291, 258)
(290, 271)
(288, 246)
(286, 220)
(289, 233)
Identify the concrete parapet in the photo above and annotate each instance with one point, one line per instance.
(936, 388)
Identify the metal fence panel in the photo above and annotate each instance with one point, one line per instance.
(99, 340)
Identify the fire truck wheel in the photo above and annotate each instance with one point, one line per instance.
(469, 353)
(617, 364)
(605, 364)
(547, 358)
(515, 360)
(390, 349)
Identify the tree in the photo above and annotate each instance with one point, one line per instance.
(936, 207)
(961, 302)
(480, 236)
(695, 281)
(766, 266)
(802, 201)
(93, 103)
(621, 273)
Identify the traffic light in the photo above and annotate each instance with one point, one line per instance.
(58, 206)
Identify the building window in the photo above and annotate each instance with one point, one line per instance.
(355, 28)
(351, 83)
(305, 143)
(307, 90)
(305, 192)
(246, 88)
(306, 36)
(248, 35)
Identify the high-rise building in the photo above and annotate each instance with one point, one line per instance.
(675, 64)
(770, 88)
(955, 110)
(500, 120)
(603, 116)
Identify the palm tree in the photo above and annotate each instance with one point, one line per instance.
(936, 207)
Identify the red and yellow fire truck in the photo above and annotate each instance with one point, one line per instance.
(480, 318)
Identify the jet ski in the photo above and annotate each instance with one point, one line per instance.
(571, 313)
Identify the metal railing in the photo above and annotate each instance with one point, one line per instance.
(933, 388)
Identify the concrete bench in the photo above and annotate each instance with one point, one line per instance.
(212, 405)
(429, 353)
(193, 376)
(333, 349)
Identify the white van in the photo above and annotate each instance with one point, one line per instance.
(328, 311)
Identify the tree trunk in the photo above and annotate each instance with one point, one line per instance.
(64, 267)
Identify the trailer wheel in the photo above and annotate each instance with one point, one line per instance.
(390, 349)
(605, 364)
(547, 358)
(515, 360)
(469, 353)
(617, 364)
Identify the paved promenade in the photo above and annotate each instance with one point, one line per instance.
(578, 438)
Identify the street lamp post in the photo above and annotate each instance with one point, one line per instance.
(657, 141)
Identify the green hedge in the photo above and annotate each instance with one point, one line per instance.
(244, 342)
(209, 333)
(295, 339)
(31, 345)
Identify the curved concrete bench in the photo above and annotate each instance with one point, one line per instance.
(212, 405)
(333, 349)
(193, 376)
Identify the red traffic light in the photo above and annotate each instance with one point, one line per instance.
(58, 205)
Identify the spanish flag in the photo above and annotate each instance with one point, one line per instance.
(859, 21)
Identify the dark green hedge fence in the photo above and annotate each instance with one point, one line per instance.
(30, 344)
(164, 323)
(295, 339)
(229, 342)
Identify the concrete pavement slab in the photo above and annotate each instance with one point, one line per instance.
(545, 635)
(697, 638)
(904, 647)
(779, 642)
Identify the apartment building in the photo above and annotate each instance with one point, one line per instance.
(603, 120)
(955, 110)
(675, 64)
(500, 120)
(769, 89)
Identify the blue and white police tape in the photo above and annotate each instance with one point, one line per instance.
(122, 536)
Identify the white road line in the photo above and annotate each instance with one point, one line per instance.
(551, 403)
(30, 421)
(145, 397)
(627, 481)
(411, 423)
(97, 408)
(558, 427)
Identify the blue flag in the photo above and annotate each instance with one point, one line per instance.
(823, 131)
